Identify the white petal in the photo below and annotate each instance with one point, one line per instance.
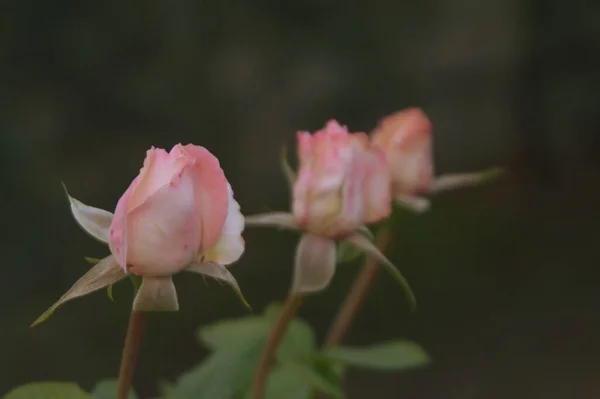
(457, 180)
(104, 273)
(314, 266)
(230, 246)
(275, 219)
(156, 294)
(220, 273)
(413, 203)
(370, 249)
(94, 221)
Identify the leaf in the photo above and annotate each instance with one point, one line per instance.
(106, 272)
(315, 379)
(48, 390)
(370, 249)
(220, 273)
(314, 265)
(285, 382)
(136, 281)
(394, 355)
(290, 174)
(225, 374)
(95, 221)
(297, 343)
(92, 261)
(107, 389)
(156, 294)
(282, 220)
(347, 252)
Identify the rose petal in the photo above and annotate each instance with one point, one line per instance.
(210, 186)
(94, 221)
(156, 294)
(104, 273)
(118, 228)
(164, 232)
(220, 273)
(314, 265)
(230, 246)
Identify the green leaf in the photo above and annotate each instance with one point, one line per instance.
(48, 390)
(225, 374)
(107, 389)
(297, 343)
(136, 281)
(347, 252)
(394, 355)
(312, 377)
(285, 382)
(92, 261)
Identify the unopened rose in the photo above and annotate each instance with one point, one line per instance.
(405, 137)
(178, 214)
(342, 183)
(174, 213)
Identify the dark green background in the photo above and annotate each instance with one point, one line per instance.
(505, 274)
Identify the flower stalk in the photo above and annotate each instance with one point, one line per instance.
(285, 317)
(131, 350)
(360, 289)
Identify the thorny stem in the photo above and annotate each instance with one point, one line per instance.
(131, 350)
(285, 317)
(357, 293)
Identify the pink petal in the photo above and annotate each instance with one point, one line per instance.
(210, 188)
(118, 228)
(164, 232)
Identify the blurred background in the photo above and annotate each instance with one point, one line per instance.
(505, 273)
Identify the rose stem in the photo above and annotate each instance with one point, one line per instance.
(285, 317)
(358, 292)
(131, 350)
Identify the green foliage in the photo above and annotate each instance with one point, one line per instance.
(107, 389)
(48, 390)
(300, 371)
(391, 356)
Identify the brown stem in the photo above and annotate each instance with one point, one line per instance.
(131, 350)
(357, 293)
(285, 317)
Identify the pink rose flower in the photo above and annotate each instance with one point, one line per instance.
(343, 182)
(406, 139)
(178, 214)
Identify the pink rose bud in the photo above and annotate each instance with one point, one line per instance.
(342, 184)
(178, 214)
(174, 213)
(405, 137)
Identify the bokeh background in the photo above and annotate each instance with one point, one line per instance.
(505, 273)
